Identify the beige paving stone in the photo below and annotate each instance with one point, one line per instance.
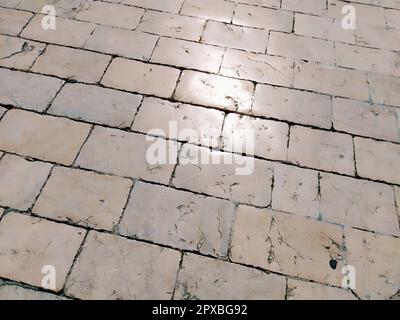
(42, 137)
(165, 5)
(84, 198)
(300, 47)
(376, 259)
(129, 270)
(392, 18)
(13, 292)
(377, 160)
(95, 104)
(237, 178)
(110, 14)
(215, 91)
(235, 37)
(293, 105)
(172, 25)
(296, 190)
(322, 27)
(341, 82)
(289, 244)
(21, 181)
(367, 59)
(323, 150)
(193, 124)
(17, 53)
(126, 43)
(270, 137)
(359, 203)
(140, 77)
(384, 38)
(68, 32)
(1, 212)
(178, 219)
(13, 21)
(219, 10)
(365, 119)
(27, 244)
(72, 64)
(205, 278)
(384, 89)
(64, 8)
(302, 290)
(265, 18)
(27, 90)
(258, 67)
(188, 54)
(125, 154)
(315, 7)
(9, 3)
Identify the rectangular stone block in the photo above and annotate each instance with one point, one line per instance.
(288, 244)
(128, 270)
(28, 244)
(359, 203)
(96, 104)
(224, 175)
(236, 37)
(178, 219)
(72, 64)
(84, 198)
(179, 121)
(125, 154)
(293, 105)
(141, 77)
(205, 278)
(42, 137)
(16, 53)
(377, 160)
(125, 43)
(21, 181)
(329, 151)
(27, 90)
(215, 91)
(187, 54)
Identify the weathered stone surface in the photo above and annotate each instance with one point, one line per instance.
(21, 181)
(28, 244)
(301, 290)
(98, 105)
(129, 270)
(42, 137)
(288, 244)
(205, 278)
(125, 154)
(359, 203)
(83, 198)
(238, 178)
(27, 90)
(179, 219)
(376, 259)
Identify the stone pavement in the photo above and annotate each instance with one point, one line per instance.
(84, 213)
